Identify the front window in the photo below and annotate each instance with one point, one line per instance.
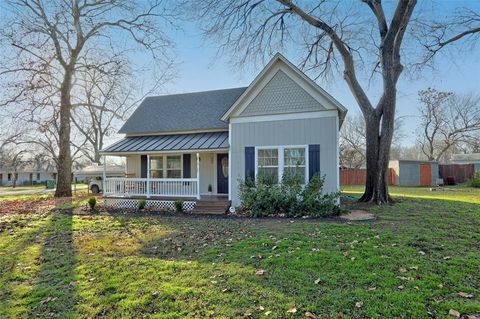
(274, 163)
(268, 165)
(174, 166)
(294, 162)
(169, 166)
(156, 167)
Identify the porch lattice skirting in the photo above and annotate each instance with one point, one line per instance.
(131, 203)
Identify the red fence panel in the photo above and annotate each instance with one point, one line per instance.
(460, 173)
(352, 176)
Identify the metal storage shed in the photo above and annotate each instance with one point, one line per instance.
(415, 173)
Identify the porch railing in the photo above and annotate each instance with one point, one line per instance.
(161, 187)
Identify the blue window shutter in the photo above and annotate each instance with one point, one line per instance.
(249, 163)
(313, 160)
(143, 166)
(187, 168)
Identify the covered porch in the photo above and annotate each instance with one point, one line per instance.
(169, 167)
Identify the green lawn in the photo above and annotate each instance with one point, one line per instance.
(30, 187)
(23, 187)
(410, 263)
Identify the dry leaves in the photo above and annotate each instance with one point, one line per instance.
(260, 272)
(454, 313)
(465, 295)
(359, 304)
(308, 314)
(292, 310)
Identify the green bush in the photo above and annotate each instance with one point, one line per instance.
(475, 182)
(92, 202)
(141, 204)
(288, 198)
(179, 206)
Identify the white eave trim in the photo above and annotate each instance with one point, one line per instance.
(285, 116)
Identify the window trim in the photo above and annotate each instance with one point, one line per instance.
(164, 165)
(281, 159)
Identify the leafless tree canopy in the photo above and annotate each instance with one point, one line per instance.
(463, 26)
(49, 44)
(353, 141)
(448, 122)
(331, 35)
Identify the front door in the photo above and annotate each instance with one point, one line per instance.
(222, 173)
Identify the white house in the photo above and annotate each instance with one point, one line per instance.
(198, 144)
(30, 175)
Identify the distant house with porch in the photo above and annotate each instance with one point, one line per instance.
(28, 175)
(200, 146)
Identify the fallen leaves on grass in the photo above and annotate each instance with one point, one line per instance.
(359, 304)
(292, 310)
(454, 313)
(260, 272)
(465, 295)
(309, 314)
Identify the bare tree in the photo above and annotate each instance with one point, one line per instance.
(13, 160)
(48, 40)
(104, 98)
(335, 35)
(463, 26)
(353, 141)
(446, 121)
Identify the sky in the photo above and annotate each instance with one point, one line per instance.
(199, 68)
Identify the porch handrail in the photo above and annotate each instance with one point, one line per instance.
(166, 187)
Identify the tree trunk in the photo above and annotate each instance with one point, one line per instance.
(64, 166)
(378, 153)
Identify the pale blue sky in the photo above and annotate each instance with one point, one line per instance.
(200, 69)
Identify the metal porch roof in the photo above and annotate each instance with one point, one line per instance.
(171, 142)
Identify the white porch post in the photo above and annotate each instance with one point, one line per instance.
(198, 175)
(104, 182)
(148, 175)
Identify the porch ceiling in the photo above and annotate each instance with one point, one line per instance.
(172, 142)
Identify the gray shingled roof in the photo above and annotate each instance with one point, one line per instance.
(182, 112)
(170, 142)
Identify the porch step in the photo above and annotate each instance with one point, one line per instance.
(218, 206)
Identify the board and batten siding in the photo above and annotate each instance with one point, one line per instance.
(322, 131)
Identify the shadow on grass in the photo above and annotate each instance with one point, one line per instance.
(53, 293)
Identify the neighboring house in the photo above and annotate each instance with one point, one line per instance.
(88, 173)
(29, 175)
(196, 144)
(414, 173)
(472, 158)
